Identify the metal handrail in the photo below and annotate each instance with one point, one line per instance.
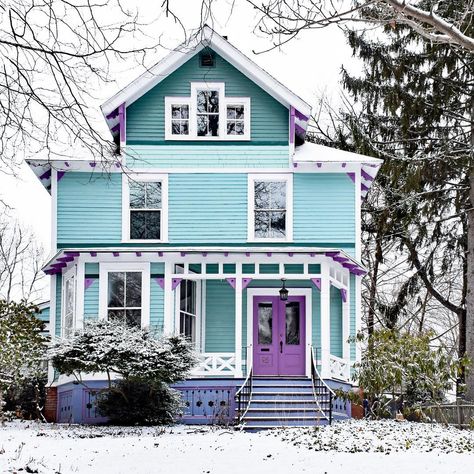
(319, 383)
(244, 393)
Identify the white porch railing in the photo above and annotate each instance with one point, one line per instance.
(215, 363)
(339, 368)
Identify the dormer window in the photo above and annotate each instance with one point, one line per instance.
(207, 114)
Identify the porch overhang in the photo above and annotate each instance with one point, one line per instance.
(301, 255)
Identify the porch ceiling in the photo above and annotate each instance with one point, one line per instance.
(67, 257)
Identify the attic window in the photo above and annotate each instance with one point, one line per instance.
(207, 59)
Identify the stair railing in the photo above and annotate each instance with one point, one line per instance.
(244, 393)
(321, 389)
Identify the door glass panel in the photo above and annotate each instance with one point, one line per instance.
(293, 323)
(265, 323)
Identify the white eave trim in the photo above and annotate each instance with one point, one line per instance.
(183, 53)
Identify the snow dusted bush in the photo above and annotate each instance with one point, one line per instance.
(22, 351)
(144, 363)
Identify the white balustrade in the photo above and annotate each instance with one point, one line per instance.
(339, 368)
(215, 363)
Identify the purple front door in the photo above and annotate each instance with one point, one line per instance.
(279, 335)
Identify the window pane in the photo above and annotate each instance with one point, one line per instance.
(116, 315)
(208, 101)
(277, 224)
(214, 125)
(278, 195)
(239, 128)
(239, 112)
(262, 195)
(145, 224)
(262, 223)
(116, 298)
(133, 289)
(185, 111)
(202, 125)
(230, 128)
(265, 323)
(134, 317)
(292, 323)
(137, 195)
(230, 112)
(176, 111)
(153, 195)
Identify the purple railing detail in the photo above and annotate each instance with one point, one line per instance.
(245, 282)
(317, 283)
(231, 282)
(88, 282)
(175, 282)
(161, 282)
(344, 295)
(352, 176)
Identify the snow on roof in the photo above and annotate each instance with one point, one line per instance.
(319, 154)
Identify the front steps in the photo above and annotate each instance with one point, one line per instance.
(278, 401)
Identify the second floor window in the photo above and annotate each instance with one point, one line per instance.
(145, 210)
(207, 113)
(180, 119)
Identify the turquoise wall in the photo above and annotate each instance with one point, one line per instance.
(89, 208)
(207, 156)
(207, 208)
(335, 322)
(220, 317)
(146, 116)
(43, 315)
(323, 207)
(91, 294)
(156, 299)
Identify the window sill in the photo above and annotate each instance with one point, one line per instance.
(270, 240)
(230, 138)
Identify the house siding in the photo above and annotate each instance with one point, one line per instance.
(89, 208)
(91, 293)
(323, 207)
(206, 156)
(156, 299)
(335, 322)
(146, 116)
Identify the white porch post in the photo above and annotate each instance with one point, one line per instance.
(168, 306)
(325, 320)
(238, 326)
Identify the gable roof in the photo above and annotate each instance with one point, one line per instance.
(207, 38)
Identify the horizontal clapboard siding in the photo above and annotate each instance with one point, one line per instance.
(324, 208)
(207, 156)
(220, 317)
(146, 116)
(89, 208)
(207, 208)
(91, 293)
(156, 299)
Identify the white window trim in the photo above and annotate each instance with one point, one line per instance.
(143, 268)
(288, 179)
(142, 177)
(223, 102)
(199, 319)
(71, 273)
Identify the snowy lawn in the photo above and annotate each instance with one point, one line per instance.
(355, 446)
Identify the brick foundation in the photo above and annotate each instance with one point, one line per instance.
(51, 404)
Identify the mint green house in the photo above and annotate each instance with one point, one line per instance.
(216, 220)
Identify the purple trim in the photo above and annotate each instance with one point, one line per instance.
(66, 163)
(319, 165)
(115, 254)
(340, 259)
(247, 254)
(269, 254)
(160, 254)
(352, 176)
(312, 254)
(344, 295)
(121, 111)
(46, 175)
(290, 254)
(60, 175)
(350, 266)
(138, 254)
(65, 259)
(231, 282)
(292, 125)
(295, 165)
(204, 254)
(117, 164)
(366, 175)
(331, 254)
(93, 254)
(363, 187)
(112, 114)
(245, 282)
(317, 283)
(115, 128)
(175, 282)
(161, 282)
(59, 265)
(344, 165)
(226, 254)
(300, 116)
(72, 254)
(299, 129)
(92, 164)
(88, 282)
(183, 254)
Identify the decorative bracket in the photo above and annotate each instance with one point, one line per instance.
(161, 282)
(175, 283)
(317, 283)
(344, 295)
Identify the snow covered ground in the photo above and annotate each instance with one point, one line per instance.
(355, 446)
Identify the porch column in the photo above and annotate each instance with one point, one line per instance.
(325, 321)
(238, 326)
(346, 330)
(168, 317)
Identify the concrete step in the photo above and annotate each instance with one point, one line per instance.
(283, 413)
(279, 421)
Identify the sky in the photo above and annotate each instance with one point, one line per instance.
(309, 65)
